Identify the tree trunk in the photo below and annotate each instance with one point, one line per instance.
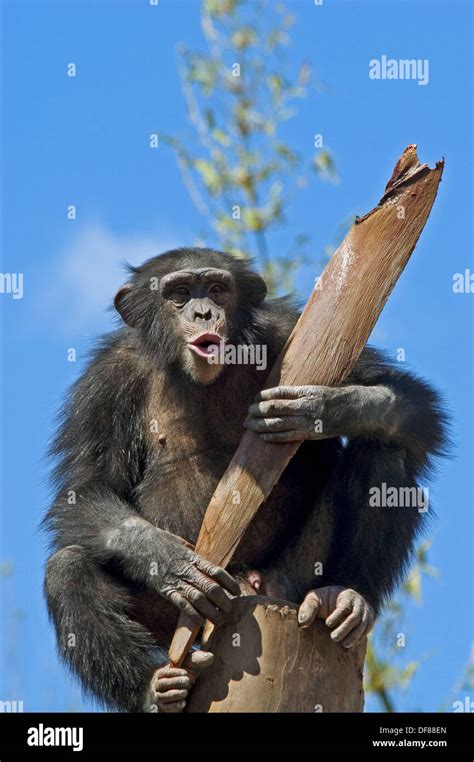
(264, 662)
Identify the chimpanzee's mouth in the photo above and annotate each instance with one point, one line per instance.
(206, 344)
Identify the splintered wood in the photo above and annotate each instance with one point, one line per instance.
(322, 349)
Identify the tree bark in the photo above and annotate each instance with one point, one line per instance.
(265, 662)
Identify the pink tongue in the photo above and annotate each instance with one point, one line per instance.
(206, 350)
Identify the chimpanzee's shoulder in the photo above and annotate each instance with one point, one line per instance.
(275, 320)
(117, 353)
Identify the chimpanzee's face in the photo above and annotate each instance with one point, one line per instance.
(201, 301)
(185, 306)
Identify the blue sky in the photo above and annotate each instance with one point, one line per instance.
(85, 141)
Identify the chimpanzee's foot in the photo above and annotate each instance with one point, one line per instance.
(345, 611)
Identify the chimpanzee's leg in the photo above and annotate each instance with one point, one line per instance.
(113, 655)
(370, 542)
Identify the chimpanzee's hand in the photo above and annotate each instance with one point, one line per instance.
(296, 413)
(170, 686)
(346, 612)
(193, 584)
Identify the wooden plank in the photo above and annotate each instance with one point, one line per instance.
(322, 349)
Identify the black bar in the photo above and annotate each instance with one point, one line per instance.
(130, 734)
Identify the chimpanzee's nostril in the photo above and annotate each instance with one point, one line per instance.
(202, 315)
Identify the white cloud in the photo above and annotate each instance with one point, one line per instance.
(83, 280)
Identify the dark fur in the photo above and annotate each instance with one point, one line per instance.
(318, 512)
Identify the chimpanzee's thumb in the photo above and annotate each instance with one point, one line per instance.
(197, 661)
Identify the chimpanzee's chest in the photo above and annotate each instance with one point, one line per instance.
(189, 449)
(183, 472)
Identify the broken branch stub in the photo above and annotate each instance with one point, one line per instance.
(319, 675)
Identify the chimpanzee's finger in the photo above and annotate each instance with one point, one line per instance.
(356, 635)
(165, 673)
(172, 695)
(219, 574)
(165, 684)
(184, 606)
(273, 408)
(309, 609)
(283, 392)
(196, 662)
(345, 628)
(211, 589)
(269, 425)
(202, 604)
(343, 609)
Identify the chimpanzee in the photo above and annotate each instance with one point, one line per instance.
(147, 433)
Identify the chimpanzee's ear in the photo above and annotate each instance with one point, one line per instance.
(257, 289)
(125, 304)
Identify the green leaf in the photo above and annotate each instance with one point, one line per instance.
(220, 8)
(253, 219)
(221, 137)
(286, 153)
(208, 174)
(275, 84)
(413, 584)
(243, 37)
(6, 569)
(408, 672)
(324, 166)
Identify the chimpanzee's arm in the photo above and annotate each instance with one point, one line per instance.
(376, 401)
(413, 418)
(100, 451)
(381, 502)
(395, 425)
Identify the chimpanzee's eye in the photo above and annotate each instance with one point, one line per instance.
(180, 294)
(217, 288)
